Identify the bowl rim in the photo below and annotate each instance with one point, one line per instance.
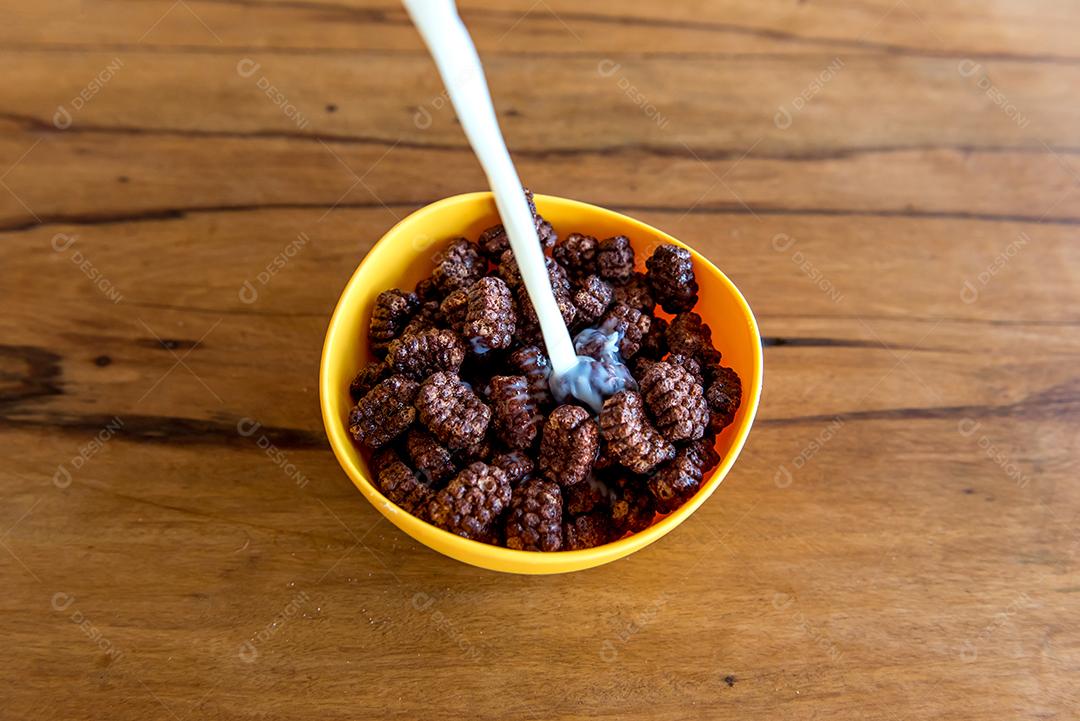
(498, 557)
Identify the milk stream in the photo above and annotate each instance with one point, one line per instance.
(589, 378)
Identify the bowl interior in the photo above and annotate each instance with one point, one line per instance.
(405, 256)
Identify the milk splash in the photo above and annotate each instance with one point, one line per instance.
(590, 369)
(598, 372)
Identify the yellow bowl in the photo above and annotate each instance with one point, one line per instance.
(404, 256)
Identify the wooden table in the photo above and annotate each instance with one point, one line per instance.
(893, 184)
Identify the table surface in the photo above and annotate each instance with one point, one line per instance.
(892, 184)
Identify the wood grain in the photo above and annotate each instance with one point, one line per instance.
(898, 540)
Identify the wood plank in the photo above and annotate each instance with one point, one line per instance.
(870, 102)
(117, 176)
(830, 161)
(1037, 31)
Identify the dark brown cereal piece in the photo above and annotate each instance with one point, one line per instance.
(585, 497)
(528, 329)
(631, 325)
(475, 377)
(392, 312)
(634, 509)
(431, 350)
(568, 445)
(636, 294)
(604, 460)
(631, 439)
(592, 298)
(516, 416)
(560, 281)
(534, 522)
(546, 232)
(707, 448)
(689, 364)
(640, 365)
(451, 411)
(516, 465)
(654, 344)
(577, 254)
(588, 531)
(560, 285)
(384, 412)
(598, 343)
(367, 378)
(455, 309)
(431, 458)
(528, 334)
(507, 269)
(724, 395)
(472, 502)
(401, 486)
(479, 451)
(615, 259)
(490, 316)
(494, 241)
(427, 291)
(676, 402)
(530, 198)
(427, 316)
(671, 277)
(680, 478)
(531, 362)
(382, 458)
(688, 335)
(458, 266)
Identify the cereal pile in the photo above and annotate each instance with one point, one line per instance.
(462, 426)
